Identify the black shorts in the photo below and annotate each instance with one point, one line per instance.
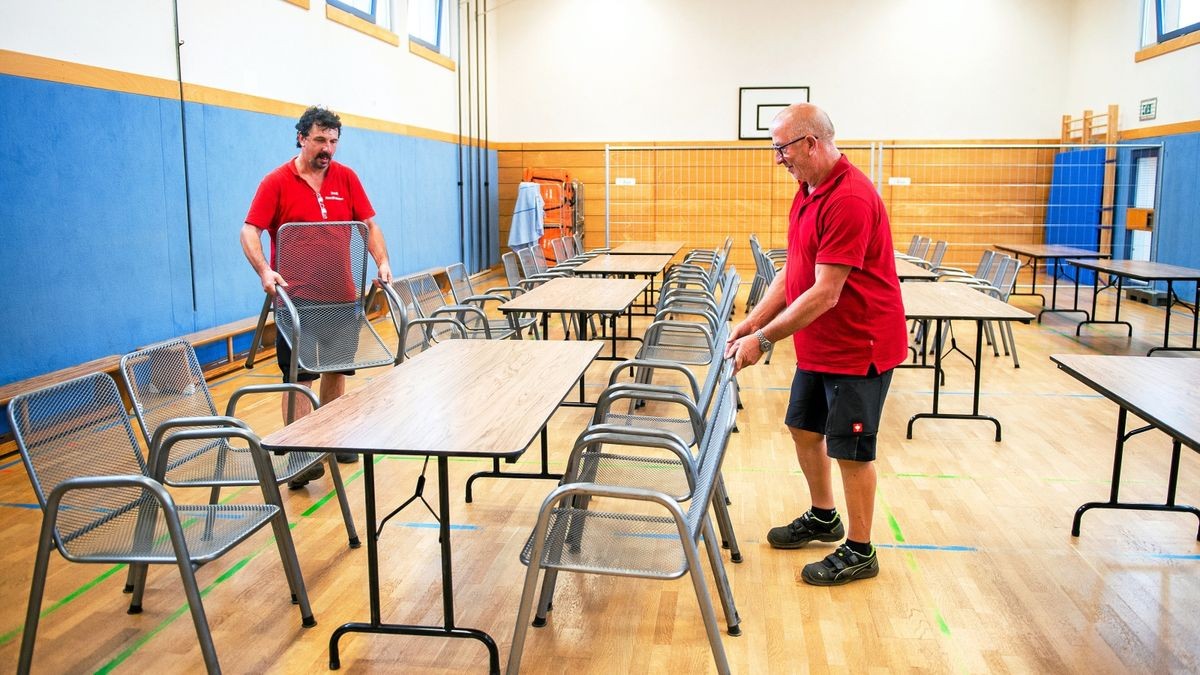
(846, 409)
(326, 342)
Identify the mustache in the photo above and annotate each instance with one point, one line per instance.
(323, 155)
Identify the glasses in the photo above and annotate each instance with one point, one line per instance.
(779, 148)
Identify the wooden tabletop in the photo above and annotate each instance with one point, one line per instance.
(948, 300)
(1047, 251)
(908, 271)
(1161, 390)
(460, 398)
(624, 264)
(647, 247)
(573, 294)
(1143, 270)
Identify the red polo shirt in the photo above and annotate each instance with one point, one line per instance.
(284, 196)
(843, 222)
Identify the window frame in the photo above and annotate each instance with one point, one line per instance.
(1172, 34)
(351, 9)
(436, 46)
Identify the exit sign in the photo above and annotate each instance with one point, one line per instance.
(1148, 109)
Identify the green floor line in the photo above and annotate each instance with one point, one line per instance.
(89, 585)
(941, 622)
(180, 611)
(7, 637)
(896, 533)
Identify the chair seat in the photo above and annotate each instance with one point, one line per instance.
(221, 464)
(209, 530)
(367, 351)
(622, 544)
(663, 474)
(698, 356)
(679, 426)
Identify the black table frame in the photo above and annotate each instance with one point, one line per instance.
(1058, 271)
(1172, 300)
(448, 629)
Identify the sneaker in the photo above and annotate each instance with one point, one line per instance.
(347, 457)
(314, 472)
(804, 529)
(841, 567)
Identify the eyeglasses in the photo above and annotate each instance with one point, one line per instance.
(779, 148)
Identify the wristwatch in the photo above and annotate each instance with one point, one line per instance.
(763, 343)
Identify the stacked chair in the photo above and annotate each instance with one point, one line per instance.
(605, 518)
(996, 275)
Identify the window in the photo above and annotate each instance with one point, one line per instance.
(1164, 20)
(427, 24)
(378, 12)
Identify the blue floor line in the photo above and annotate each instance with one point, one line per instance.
(929, 547)
(434, 526)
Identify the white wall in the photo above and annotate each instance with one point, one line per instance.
(266, 48)
(1102, 70)
(670, 69)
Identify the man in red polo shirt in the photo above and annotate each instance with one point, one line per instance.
(839, 299)
(309, 188)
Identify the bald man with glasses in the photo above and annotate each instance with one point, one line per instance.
(838, 297)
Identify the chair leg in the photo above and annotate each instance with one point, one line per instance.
(724, 523)
(36, 589)
(192, 592)
(336, 475)
(732, 620)
(1007, 328)
(214, 495)
(546, 599)
(527, 590)
(706, 606)
(291, 567)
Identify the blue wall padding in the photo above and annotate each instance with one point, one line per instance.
(97, 257)
(1073, 209)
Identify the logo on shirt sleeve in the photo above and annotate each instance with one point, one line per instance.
(856, 427)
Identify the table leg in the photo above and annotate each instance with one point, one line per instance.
(937, 366)
(447, 629)
(1117, 314)
(1173, 300)
(1114, 501)
(1053, 308)
(496, 473)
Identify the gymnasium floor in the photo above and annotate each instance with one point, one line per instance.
(979, 571)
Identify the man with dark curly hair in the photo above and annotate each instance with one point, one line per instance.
(310, 187)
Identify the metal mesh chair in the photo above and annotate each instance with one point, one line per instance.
(427, 297)
(101, 503)
(578, 237)
(167, 388)
(322, 314)
(464, 294)
(581, 528)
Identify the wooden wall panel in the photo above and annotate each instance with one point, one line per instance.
(972, 197)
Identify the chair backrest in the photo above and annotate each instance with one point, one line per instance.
(717, 428)
(1006, 280)
(460, 282)
(570, 247)
(560, 250)
(539, 258)
(165, 381)
(912, 245)
(578, 237)
(528, 263)
(512, 270)
(426, 294)
(323, 309)
(416, 338)
(939, 252)
(77, 428)
(922, 247)
(986, 260)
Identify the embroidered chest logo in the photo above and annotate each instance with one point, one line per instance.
(335, 197)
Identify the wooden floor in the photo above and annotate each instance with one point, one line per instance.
(979, 570)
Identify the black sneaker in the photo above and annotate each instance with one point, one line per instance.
(804, 529)
(314, 472)
(347, 457)
(841, 567)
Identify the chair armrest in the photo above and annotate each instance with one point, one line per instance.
(652, 364)
(262, 465)
(231, 407)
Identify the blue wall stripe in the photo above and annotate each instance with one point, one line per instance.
(95, 227)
